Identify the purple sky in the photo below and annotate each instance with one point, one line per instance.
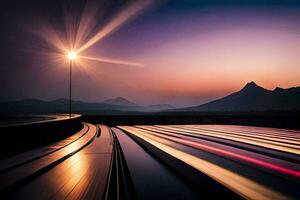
(191, 55)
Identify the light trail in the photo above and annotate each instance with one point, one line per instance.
(262, 129)
(247, 140)
(229, 154)
(292, 137)
(237, 147)
(113, 61)
(268, 139)
(284, 133)
(248, 134)
(238, 183)
(230, 132)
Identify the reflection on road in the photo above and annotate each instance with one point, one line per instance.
(239, 169)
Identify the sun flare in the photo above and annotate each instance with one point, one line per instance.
(72, 55)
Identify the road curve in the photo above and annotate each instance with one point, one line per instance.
(158, 162)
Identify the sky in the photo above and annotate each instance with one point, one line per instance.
(179, 52)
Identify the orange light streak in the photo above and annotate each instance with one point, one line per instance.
(112, 61)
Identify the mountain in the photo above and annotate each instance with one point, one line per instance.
(35, 106)
(250, 98)
(158, 107)
(253, 98)
(120, 101)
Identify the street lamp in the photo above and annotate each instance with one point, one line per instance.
(72, 55)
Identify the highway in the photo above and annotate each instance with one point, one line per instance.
(158, 162)
(256, 163)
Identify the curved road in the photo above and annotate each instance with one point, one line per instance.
(159, 162)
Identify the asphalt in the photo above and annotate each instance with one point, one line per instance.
(158, 162)
(251, 173)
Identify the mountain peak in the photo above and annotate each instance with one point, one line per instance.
(120, 101)
(253, 98)
(252, 86)
(120, 98)
(278, 89)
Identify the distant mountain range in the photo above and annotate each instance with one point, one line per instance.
(114, 105)
(253, 98)
(250, 98)
(119, 101)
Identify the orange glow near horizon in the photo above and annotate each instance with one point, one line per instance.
(190, 59)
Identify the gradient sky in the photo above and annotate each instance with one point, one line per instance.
(193, 51)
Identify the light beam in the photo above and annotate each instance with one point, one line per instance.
(113, 61)
(78, 34)
(124, 16)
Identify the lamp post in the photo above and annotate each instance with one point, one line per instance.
(71, 56)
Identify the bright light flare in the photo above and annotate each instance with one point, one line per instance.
(72, 55)
(113, 61)
(85, 35)
(126, 14)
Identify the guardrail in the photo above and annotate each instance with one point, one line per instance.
(24, 136)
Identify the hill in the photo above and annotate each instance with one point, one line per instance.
(253, 98)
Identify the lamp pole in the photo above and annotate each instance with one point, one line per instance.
(70, 92)
(71, 56)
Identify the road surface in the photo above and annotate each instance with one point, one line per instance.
(255, 163)
(159, 162)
